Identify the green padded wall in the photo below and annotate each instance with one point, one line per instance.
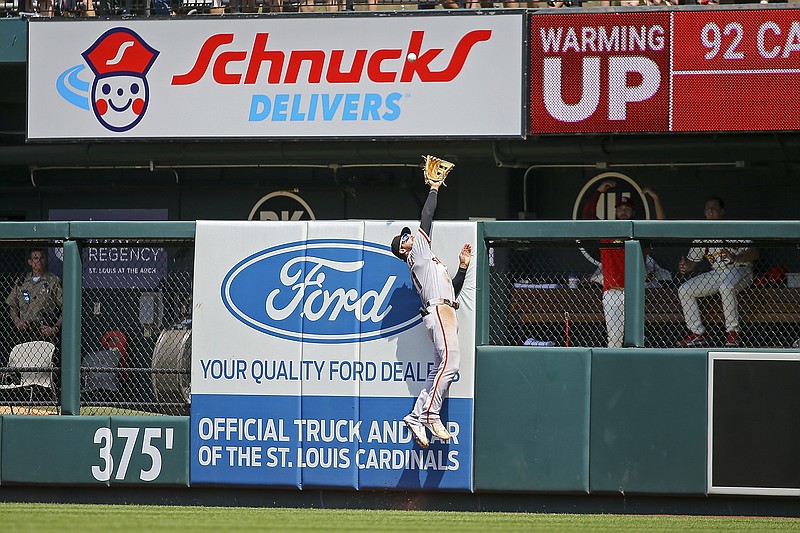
(649, 410)
(532, 419)
(95, 450)
(50, 449)
(13, 40)
(161, 449)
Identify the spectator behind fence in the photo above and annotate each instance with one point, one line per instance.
(731, 271)
(423, 4)
(613, 259)
(42, 7)
(35, 301)
(633, 3)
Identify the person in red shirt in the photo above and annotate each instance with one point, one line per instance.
(613, 258)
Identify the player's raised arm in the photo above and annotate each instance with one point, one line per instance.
(435, 171)
(464, 258)
(428, 210)
(660, 213)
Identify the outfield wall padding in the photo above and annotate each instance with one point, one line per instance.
(95, 450)
(648, 416)
(532, 419)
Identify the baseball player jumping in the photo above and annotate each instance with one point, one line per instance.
(438, 293)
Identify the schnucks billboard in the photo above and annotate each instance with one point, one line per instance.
(658, 71)
(277, 77)
(308, 349)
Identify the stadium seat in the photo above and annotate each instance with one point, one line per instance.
(37, 356)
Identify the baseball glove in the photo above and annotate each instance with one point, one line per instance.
(436, 169)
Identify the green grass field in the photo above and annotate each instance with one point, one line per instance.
(56, 517)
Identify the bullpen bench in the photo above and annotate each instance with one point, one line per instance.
(759, 308)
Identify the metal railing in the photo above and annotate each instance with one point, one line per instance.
(148, 8)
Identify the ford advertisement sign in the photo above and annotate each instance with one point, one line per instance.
(308, 349)
(321, 291)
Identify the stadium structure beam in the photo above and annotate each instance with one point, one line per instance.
(566, 150)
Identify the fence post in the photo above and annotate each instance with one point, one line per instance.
(482, 268)
(634, 294)
(71, 330)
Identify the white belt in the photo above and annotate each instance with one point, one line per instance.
(441, 301)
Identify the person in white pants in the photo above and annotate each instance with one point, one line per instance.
(612, 256)
(731, 271)
(438, 293)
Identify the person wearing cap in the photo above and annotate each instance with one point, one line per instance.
(438, 293)
(731, 271)
(612, 258)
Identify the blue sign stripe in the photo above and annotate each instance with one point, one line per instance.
(338, 442)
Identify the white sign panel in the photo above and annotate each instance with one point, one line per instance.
(272, 77)
(308, 349)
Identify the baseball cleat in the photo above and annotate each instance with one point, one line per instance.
(438, 429)
(417, 430)
(692, 340)
(732, 339)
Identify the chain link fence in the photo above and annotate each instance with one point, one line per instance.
(551, 293)
(135, 324)
(30, 333)
(137, 303)
(136, 313)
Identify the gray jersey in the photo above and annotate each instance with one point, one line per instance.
(429, 275)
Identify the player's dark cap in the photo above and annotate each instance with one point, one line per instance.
(397, 240)
(624, 200)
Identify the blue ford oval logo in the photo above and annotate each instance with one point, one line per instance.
(323, 291)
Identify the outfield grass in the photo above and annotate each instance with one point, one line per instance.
(56, 517)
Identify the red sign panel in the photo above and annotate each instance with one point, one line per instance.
(661, 71)
(736, 70)
(600, 72)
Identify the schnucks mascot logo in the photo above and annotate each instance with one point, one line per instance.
(323, 291)
(120, 60)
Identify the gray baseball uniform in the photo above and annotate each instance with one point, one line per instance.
(438, 293)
